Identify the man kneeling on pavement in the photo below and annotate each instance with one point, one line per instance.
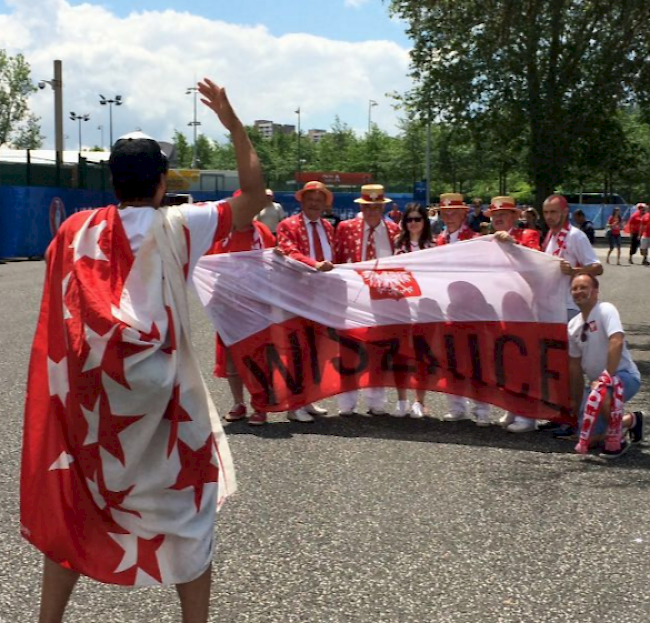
(597, 350)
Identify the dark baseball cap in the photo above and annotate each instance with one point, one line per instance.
(136, 163)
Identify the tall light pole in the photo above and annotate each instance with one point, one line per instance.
(299, 157)
(79, 118)
(57, 86)
(371, 103)
(117, 100)
(194, 91)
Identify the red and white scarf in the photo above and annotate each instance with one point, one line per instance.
(592, 408)
(560, 242)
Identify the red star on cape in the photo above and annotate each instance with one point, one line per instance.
(116, 352)
(197, 468)
(175, 414)
(109, 428)
(139, 553)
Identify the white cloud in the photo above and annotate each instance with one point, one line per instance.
(355, 4)
(150, 58)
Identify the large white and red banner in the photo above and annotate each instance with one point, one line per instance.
(479, 319)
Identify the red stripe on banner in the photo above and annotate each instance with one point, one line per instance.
(518, 366)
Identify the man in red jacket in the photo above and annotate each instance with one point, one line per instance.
(369, 237)
(504, 214)
(309, 238)
(306, 236)
(634, 226)
(358, 240)
(453, 212)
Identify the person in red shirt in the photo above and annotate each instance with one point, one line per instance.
(248, 237)
(634, 227)
(415, 236)
(644, 233)
(614, 225)
(395, 215)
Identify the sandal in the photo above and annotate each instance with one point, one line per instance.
(238, 412)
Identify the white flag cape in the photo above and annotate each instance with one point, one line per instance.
(479, 319)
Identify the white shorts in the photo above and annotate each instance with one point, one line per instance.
(644, 245)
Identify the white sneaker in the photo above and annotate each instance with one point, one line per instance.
(299, 415)
(482, 419)
(454, 417)
(417, 410)
(347, 413)
(403, 408)
(522, 425)
(313, 409)
(506, 419)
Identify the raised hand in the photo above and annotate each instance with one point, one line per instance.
(214, 97)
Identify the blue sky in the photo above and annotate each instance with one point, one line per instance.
(328, 57)
(356, 20)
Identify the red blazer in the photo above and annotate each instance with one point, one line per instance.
(526, 237)
(349, 239)
(293, 239)
(466, 233)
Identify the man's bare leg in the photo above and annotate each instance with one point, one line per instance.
(236, 388)
(58, 583)
(195, 598)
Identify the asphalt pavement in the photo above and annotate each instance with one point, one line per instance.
(378, 520)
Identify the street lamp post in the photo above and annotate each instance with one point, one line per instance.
(79, 118)
(299, 159)
(194, 124)
(371, 103)
(57, 86)
(117, 100)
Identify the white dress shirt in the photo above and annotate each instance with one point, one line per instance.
(382, 243)
(324, 242)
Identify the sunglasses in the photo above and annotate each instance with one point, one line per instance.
(585, 332)
(413, 219)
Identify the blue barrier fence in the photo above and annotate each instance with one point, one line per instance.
(599, 213)
(29, 216)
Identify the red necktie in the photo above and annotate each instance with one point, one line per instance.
(371, 252)
(318, 247)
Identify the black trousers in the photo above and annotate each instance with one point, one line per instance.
(634, 244)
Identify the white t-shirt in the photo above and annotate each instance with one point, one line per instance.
(271, 215)
(578, 252)
(602, 323)
(324, 242)
(207, 222)
(382, 243)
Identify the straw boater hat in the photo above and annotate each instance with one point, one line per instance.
(503, 203)
(372, 193)
(450, 201)
(318, 186)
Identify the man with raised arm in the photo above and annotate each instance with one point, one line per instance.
(124, 458)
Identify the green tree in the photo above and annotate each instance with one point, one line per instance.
(16, 124)
(28, 134)
(183, 150)
(205, 152)
(549, 61)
